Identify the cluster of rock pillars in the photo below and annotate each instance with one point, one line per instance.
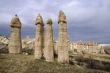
(43, 47)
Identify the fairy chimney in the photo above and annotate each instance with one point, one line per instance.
(15, 45)
(63, 55)
(39, 41)
(49, 44)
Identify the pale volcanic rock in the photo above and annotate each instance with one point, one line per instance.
(49, 44)
(63, 50)
(15, 45)
(39, 41)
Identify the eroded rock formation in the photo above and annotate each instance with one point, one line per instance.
(49, 44)
(63, 55)
(39, 41)
(15, 45)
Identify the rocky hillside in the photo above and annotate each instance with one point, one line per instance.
(4, 44)
(4, 40)
(10, 63)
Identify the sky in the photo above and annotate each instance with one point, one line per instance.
(87, 20)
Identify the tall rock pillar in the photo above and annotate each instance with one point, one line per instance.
(39, 41)
(15, 45)
(49, 44)
(63, 55)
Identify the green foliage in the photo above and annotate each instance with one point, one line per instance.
(29, 51)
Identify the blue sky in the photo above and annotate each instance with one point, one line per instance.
(87, 20)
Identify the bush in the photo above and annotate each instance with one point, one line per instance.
(94, 64)
(4, 49)
(29, 51)
(107, 49)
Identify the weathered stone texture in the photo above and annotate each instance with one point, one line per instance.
(49, 44)
(15, 45)
(63, 55)
(39, 41)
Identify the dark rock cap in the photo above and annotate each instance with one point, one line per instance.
(15, 22)
(62, 17)
(49, 21)
(39, 19)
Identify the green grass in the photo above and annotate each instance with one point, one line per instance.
(10, 63)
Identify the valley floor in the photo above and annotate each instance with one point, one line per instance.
(10, 63)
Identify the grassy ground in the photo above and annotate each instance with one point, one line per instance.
(27, 64)
(101, 57)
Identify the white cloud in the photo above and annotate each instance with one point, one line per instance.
(81, 13)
